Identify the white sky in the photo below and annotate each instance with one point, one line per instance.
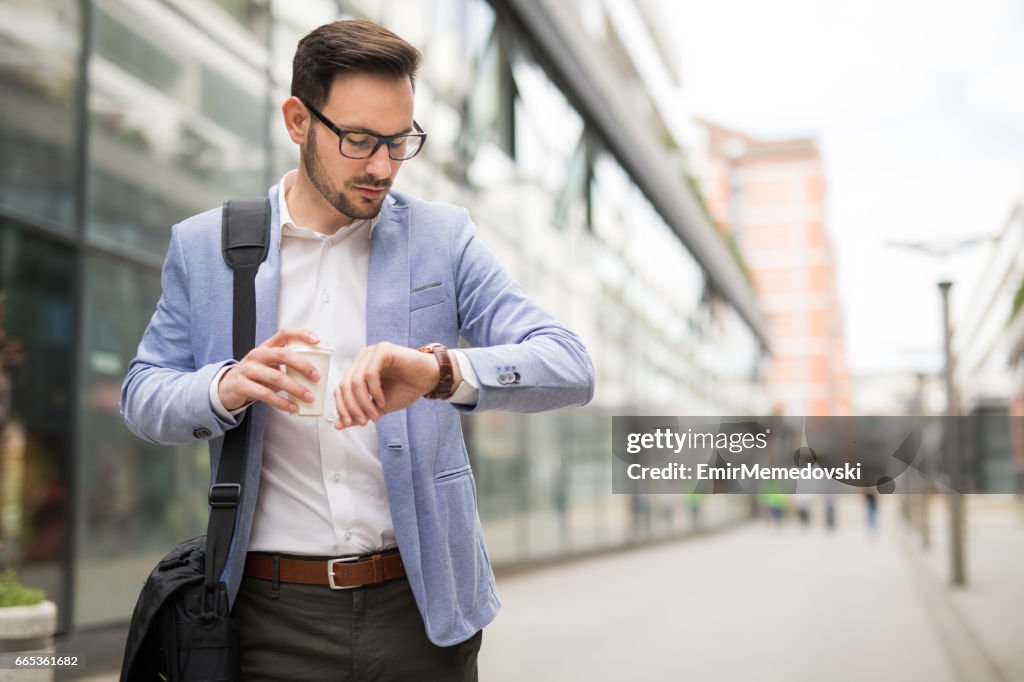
(919, 111)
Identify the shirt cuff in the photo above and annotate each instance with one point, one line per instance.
(467, 391)
(217, 405)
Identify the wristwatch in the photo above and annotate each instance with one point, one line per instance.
(446, 383)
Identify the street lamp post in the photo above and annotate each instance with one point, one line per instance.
(956, 501)
(919, 502)
(956, 498)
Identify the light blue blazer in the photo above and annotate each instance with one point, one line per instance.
(430, 280)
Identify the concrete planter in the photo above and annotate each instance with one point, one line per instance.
(27, 630)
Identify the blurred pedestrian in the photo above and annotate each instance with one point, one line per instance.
(872, 508)
(830, 512)
(693, 501)
(804, 502)
(775, 503)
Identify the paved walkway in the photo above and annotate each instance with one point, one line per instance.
(766, 603)
(760, 603)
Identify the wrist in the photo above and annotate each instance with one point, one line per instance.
(226, 399)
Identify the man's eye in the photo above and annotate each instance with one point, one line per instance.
(360, 141)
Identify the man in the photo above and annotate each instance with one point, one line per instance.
(374, 275)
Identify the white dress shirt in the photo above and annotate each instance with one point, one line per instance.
(322, 490)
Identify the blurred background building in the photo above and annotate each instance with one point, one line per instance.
(989, 347)
(768, 200)
(546, 119)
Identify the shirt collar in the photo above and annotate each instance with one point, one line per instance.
(291, 229)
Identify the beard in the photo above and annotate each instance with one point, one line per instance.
(354, 207)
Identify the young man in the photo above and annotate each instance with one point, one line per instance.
(376, 496)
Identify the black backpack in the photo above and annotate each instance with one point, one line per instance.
(181, 629)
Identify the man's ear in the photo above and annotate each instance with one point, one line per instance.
(297, 119)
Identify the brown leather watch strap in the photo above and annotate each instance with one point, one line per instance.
(446, 383)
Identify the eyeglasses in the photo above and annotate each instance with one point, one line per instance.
(361, 145)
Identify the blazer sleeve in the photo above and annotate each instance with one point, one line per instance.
(165, 397)
(524, 359)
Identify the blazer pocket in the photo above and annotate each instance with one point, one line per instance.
(453, 473)
(427, 295)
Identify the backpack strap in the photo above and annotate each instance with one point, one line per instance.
(245, 242)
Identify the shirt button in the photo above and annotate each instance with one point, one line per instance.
(326, 297)
(336, 477)
(348, 536)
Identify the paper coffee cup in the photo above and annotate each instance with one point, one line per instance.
(320, 356)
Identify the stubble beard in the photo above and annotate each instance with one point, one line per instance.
(366, 208)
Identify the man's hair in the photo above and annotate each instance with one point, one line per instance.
(353, 46)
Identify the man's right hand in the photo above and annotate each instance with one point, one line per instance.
(258, 376)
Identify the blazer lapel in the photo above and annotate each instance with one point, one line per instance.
(387, 291)
(387, 319)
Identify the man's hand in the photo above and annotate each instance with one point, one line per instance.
(385, 378)
(259, 377)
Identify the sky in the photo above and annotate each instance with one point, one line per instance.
(918, 108)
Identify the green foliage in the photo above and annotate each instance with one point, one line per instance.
(729, 240)
(13, 593)
(1018, 300)
(734, 249)
(694, 186)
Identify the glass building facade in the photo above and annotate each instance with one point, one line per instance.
(121, 118)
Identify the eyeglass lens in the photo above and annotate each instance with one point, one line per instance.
(361, 145)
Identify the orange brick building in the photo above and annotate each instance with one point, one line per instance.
(769, 197)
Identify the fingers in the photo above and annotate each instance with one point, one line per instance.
(283, 336)
(276, 356)
(365, 374)
(360, 396)
(259, 377)
(276, 380)
(254, 390)
(344, 418)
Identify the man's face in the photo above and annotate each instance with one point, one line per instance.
(380, 105)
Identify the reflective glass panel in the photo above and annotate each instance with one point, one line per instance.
(137, 500)
(38, 94)
(36, 365)
(177, 123)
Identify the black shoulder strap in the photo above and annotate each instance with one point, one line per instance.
(245, 242)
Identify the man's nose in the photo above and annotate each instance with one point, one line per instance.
(379, 165)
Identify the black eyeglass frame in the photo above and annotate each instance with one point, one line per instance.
(381, 139)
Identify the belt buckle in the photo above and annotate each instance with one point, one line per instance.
(330, 571)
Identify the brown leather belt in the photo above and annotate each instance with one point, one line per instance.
(338, 574)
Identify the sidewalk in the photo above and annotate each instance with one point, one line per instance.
(984, 621)
(765, 603)
(757, 603)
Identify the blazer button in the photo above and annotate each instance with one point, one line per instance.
(202, 432)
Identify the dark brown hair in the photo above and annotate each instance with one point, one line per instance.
(352, 46)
